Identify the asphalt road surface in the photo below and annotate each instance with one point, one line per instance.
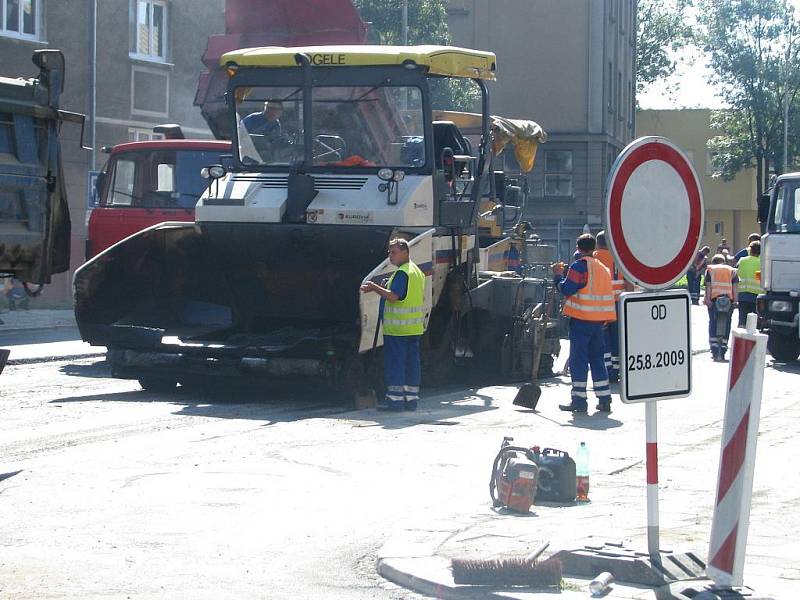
(107, 491)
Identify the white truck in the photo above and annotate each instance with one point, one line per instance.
(779, 211)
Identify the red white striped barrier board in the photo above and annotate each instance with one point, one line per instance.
(3, 358)
(737, 457)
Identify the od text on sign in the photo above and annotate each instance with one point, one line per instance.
(655, 351)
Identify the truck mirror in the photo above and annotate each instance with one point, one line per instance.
(763, 208)
(99, 182)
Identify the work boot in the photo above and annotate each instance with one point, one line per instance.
(390, 406)
(573, 409)
(604, 406)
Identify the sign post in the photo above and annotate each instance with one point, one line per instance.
(654, 221)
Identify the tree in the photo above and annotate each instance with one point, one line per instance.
(752, 47)
(427, 24)
(662, 31)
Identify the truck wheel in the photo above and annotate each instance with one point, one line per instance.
(784, 348)
(158, 383)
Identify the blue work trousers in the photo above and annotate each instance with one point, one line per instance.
(611, 342)
(401, 369)
(586, 347)
(718, 338)
(693, 283)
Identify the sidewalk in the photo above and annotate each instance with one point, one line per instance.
(41, 335)
(37, 319)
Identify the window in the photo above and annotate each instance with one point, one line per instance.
(610, 87)
(20, 18)
(786, 217)
(138, 134)
(711, 162)
(150, 29)
(612, 12)
(620, 113)
(558, 173)
(122, 190)
(150, 91)
(719, 228)
(353, 126)
(158, 178)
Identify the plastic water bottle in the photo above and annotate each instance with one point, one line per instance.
(582, 473)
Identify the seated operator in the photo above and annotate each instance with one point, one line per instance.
(266, 122)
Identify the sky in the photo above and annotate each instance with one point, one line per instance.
(688, 87)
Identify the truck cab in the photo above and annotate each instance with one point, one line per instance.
(145, 183)
(777, 307)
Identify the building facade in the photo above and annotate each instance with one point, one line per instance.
(147, 65)
(731, 210)
(568, 65)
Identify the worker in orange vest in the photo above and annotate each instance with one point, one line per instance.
(720, 283)
(618, 285)
(589, 302)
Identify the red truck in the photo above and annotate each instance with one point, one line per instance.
(144, 183)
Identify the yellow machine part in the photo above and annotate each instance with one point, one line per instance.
(447, 61)
(524, 135)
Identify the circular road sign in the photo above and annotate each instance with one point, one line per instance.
(654, 212)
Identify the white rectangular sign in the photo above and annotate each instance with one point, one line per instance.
(654, 343)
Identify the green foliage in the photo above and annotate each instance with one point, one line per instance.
(752, 46)
(427, 24)
(662, 31)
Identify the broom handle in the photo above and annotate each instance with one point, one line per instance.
(531, 558)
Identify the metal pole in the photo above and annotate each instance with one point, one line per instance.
(93, 83)
(786, 108)
(651, 435)
(405, 23)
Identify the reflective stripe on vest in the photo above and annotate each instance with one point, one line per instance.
(406, 316)
(747, 269)
(595, 300)
(721, 280)
(617, 282)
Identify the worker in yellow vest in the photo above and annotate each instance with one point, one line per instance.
(720, 283)
(749, 282)
(403, 315)
(589, 302)
(618, 285)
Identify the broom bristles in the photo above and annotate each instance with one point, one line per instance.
(506, 572)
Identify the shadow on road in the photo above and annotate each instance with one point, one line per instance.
(96, 369)
(789, 367)
(287, 400)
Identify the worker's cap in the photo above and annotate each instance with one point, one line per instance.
(273, 105)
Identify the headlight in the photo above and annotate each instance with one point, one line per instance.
(385, 174)
(399, 176)
(780, 306)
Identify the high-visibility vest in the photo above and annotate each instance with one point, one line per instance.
(747, 269)
(595, 300)
(721, 281)
(617, 282)
(406, 316)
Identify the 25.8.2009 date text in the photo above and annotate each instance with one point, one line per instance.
(668, 358)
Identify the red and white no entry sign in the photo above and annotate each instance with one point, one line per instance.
(654, 212)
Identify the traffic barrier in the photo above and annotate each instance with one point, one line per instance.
(737, 457)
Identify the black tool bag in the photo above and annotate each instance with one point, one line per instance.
(556, 476)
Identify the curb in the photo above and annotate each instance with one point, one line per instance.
(44, 359)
